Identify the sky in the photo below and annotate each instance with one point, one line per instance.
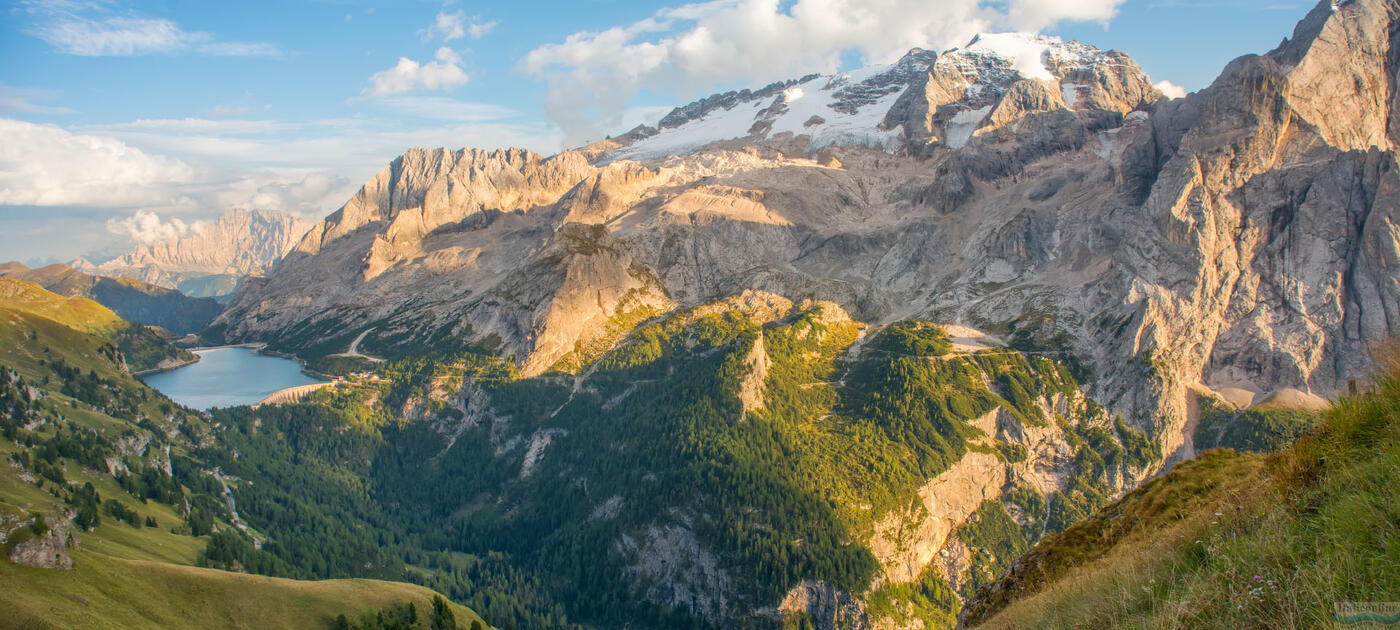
(125, 121)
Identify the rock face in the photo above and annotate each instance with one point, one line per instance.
(1243, 239)
(49, 551)
(211, 261)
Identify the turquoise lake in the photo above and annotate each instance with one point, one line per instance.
(225, 377)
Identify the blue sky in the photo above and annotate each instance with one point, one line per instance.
(180, 110)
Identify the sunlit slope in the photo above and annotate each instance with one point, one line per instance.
(78, 313)
(1229, 540)
(140, 347)
(106, 592)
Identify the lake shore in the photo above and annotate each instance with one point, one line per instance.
(166, 368)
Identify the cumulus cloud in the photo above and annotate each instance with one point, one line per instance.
(443, 74)
(45, 165)
(456, 25)
(147, 228)
(126, 36)
(594, 76)
(1172, 90)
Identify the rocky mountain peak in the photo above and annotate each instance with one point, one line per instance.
(1341, 65)
(241, 242)
(897, 106)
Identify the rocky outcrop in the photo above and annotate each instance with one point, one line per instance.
(670, 567)
(751, 388)
(51, 550)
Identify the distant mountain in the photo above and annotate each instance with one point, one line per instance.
(210, 262)
(135, 301)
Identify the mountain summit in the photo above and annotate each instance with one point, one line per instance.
(921, 101)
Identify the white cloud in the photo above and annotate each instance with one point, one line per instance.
(443, 74)
(1036, 15)
(478, 30)
(456, 25)
(45, 165)
(83, 29)
(241, 49)
(115, 36)
(147, 228)
(1172, 90)
(594, 76)
(311, 195)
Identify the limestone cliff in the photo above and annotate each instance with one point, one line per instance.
(213, 258)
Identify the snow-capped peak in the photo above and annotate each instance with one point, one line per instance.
(850, 107)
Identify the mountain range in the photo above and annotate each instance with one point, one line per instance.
(939, 343)
(211, 261)
(1142, 260)
(1236, 242)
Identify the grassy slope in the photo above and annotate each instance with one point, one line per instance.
(131, 577)
(135, 301)
(143, 348)
(78, 313)
(106, 592)
(1231, 540)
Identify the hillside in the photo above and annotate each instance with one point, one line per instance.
(133, 300)
(1229, 540)
(78, 313)
(107, 592)
(141, 348)
(99, 478)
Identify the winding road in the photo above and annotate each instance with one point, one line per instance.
(354, 350)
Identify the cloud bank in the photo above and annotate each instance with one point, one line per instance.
(45, 165)
(593, 76)
(147, 228)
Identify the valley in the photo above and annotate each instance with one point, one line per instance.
(1001, 335)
